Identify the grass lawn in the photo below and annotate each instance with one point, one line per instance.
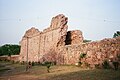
(9, 71)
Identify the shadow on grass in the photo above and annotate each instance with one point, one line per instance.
(96, 74)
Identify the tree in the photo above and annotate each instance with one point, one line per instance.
(116, 34)
(48, 65)
(9, 49)
(85, 41)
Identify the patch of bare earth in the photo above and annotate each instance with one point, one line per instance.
(17, 72)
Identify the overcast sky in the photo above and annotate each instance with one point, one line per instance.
(97, 19)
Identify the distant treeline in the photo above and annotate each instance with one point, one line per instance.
(9, 49)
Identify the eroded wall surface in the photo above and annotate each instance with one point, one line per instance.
(64, 47)
(35, 43)
(96, 52)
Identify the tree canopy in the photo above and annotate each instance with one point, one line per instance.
(9, 49)
(85, 41)
(116, 34)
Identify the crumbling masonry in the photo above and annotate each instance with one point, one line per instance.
(64, 47)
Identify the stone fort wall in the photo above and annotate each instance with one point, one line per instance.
(96, 52)
(37, 44)
(64, 47)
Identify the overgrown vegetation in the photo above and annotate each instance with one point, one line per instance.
(118, 56)
(9, 49)
(116, 64)
(105, 64)
(82, 55)
(48, 65)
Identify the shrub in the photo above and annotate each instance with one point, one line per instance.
(105, 64)
(48, 65)
(78, 64)
(82, 55)
(23, 63)
(39, 62)
(85, 41)
(97, 66)
(118, 56)
(33, 63)
(115, 64)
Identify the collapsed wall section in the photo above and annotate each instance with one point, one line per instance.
(96, 52)
(74, 37)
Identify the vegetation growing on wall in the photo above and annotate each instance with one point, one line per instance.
(82, 55)
(105, 64)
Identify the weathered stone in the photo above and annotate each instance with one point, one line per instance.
(37, 44)
(31, 32)
(57, 45)
(94, 54)
(74, 37)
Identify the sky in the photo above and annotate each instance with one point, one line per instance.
(97, 19)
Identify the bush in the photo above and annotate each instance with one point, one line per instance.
(85, 41)
(78, 64)
(115, 64)
(97, 66)
(23, 63)
(33, 63)
(105, 64)
(118, 56)
(48, 65)
(82, 55)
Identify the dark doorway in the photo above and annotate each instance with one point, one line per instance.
(68, 38)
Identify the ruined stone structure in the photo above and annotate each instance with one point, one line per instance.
(37, 43)
(64, 47)
(96, 52)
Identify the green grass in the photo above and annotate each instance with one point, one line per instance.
(56, 73)
(8, 68)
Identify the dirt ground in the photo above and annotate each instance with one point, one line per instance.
(10, 71)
